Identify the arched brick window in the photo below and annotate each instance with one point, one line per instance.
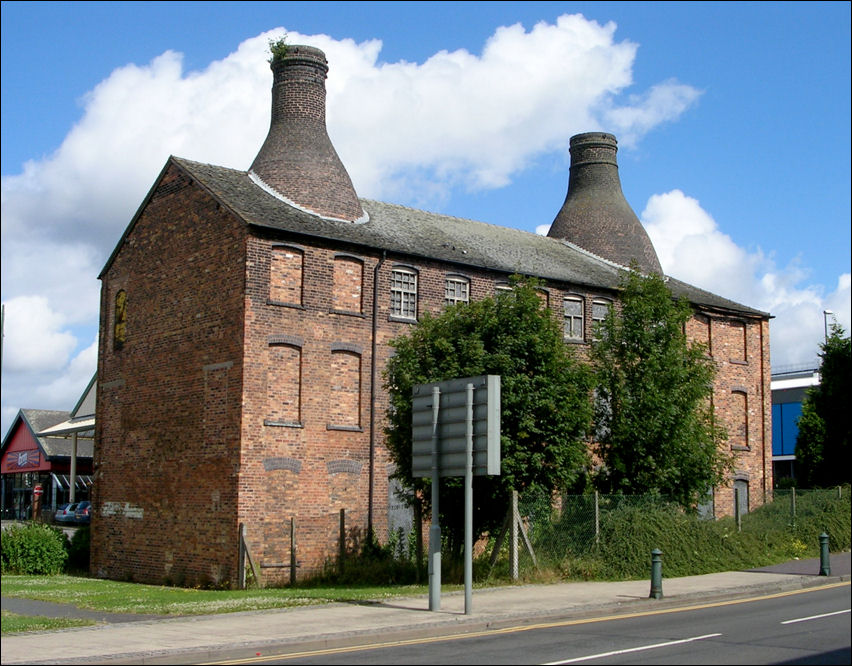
(456, 290)
(738, 342)
(284, 383)
(285, 275)
(344, 410)
(403, 293)
(572, 308)
(738, 426)
(348, 284)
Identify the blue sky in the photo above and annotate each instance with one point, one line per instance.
(733, 121)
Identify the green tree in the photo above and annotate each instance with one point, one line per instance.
(653, 412)
(822, 445)
(545, 411)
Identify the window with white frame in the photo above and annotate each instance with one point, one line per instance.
(404, 293)
(572, 307)
(456, 290)
(600, 309)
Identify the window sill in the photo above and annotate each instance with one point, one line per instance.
(283, 424)
(283, 304)
(347, 313)
(740, 447)
(344, 428)
(402, 320)
(737, 362)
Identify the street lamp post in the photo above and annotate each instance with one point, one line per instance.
(825, 315)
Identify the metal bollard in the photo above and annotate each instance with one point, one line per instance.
(656, 574)
(824, 563)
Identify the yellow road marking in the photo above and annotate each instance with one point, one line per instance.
(520, 628)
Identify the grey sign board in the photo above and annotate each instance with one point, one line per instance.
(452, 426)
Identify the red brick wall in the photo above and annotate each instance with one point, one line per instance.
(243, 392)
(167, 441)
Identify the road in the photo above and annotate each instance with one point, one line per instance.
(809, 626)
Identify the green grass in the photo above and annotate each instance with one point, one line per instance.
(14, 623)
(118, 597)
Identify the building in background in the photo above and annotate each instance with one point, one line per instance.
(244, 324)
(789, 388)
(47, 459)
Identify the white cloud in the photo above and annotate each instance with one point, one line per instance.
(691, 247)
(407, 132)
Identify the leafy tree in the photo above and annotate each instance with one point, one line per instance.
(653, 412)
(545, 409)
(822, 445)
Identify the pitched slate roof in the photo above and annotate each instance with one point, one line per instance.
(38, 420)
(421, 234)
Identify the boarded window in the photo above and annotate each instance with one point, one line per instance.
(120, 320)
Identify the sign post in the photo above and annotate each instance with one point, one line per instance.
(455, 432)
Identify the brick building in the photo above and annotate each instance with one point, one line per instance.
(244, 322)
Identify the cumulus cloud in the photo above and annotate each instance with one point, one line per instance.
(692, 248)
(407, 132)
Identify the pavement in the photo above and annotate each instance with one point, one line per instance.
(132, 639)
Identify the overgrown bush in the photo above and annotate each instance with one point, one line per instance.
(78, 550)
(33, 549)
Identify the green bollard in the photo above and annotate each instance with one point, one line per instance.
(656, 574)
(824, 564)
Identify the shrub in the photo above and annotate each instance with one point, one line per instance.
(78, 550)
(33, 549)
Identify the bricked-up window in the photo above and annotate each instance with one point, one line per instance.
(404, 293)
(285, 275)
(348, 284)
(600, 309)
(701, 332)
(738, 434)
(572, 307)
(345, 404)
(456, 290)
(119, 334)
(738, 342)
(284, 385)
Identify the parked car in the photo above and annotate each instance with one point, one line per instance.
(65, 513)
(83, 513)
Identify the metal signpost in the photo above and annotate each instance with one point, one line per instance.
(455, 432)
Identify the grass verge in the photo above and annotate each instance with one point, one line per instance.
(119, 597)
(14, 623)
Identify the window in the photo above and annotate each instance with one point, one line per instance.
(404, 293)
(120, 320)
(738, 432)
(700, 329)
(285, 275)
(741, 496)
(600, 309)
(284, 384)
(738, 342)
(572, 306)
(345, 408)
(456, 290)
(348, 280)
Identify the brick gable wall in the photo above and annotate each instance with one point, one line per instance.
(167, 440)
